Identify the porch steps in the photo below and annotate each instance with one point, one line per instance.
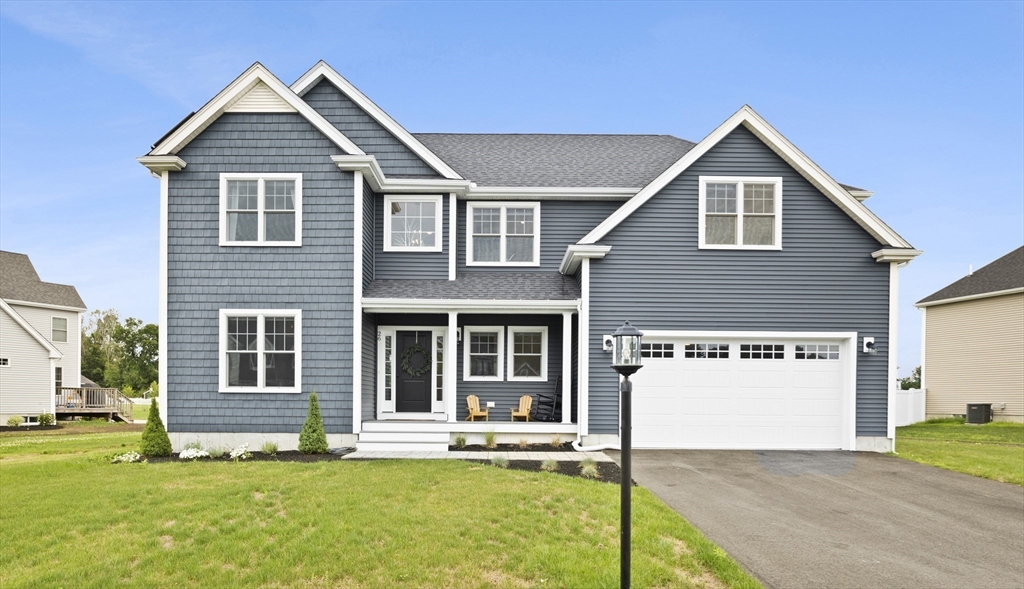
(402, 441)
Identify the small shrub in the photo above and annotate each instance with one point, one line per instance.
(193, 454)
(240, 453)
(490, 439)
(460, 441)
(216, 452)
(14, 421)
(127, 457)
(523, 444)
(499, 461)
(154, 438)
(549, 465)
(589, 471)
(313, 440)
(269, 448)
(588, 461)
(556, 440)
(193, 446)
(128, 391)
(47, 419)
(154, 390)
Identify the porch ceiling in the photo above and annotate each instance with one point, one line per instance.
(496, 286)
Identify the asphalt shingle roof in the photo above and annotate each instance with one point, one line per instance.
(20, 282)
(1003, 274)
(608, 161)
(504, 286)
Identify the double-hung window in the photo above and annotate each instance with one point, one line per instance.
(260, 350)
(528, 353)
(261, 209)
(483, 347)
(503, 234)
(413, 223)
(58, 329)
(740, 213)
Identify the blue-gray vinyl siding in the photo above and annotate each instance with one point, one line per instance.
(394, 157)
(562, 223)
(409, 265)
(369, 215)
(204, 277)
(823, 279)
(369, 367)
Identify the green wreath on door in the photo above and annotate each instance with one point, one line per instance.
(407, 356)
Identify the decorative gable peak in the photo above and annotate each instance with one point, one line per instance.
(260, 98)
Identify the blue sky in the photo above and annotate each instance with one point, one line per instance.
(921, 102)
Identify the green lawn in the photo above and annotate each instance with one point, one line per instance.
(71, 519)
(992, 451)
(140, 412)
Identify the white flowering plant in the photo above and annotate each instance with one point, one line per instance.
(127, 457)
(193, 454)
(240, 453)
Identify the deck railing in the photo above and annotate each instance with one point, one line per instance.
(97, 399)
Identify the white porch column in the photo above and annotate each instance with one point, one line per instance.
(451, 351)
(567, 367)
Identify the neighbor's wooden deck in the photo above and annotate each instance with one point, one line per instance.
(88, 402)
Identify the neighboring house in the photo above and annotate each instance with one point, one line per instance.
(972, 342)
(310, 243)
(40, 339)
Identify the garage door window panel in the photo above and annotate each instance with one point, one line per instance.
(652, 350)
(706, 351)
(817, 352)
(762, 351)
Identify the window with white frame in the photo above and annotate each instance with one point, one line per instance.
(706, 351)
(4, 362)
(261, 351)
(503, 234)
(483, 347)
(58, 329)
(762, 351)
(651, 350)
(817, 352)
(527, 353)
(58, 380)
(261, 209)
(740, 213)
(413, 223)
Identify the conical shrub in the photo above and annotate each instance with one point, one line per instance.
(312, 439)
(154, 437)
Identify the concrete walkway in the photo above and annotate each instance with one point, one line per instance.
(559, 456)
(845, 519)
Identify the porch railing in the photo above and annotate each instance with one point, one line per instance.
(73, 398)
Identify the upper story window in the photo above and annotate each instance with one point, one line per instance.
(261, 209)
(740, 213)
(260, 351)
(503, 234)
(58, 329)
(413, 223)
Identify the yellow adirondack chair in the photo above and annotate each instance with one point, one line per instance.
(525, 402)
(474, 409)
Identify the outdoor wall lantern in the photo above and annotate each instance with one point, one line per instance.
(626, 361)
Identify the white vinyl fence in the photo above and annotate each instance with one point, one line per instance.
(909, 406)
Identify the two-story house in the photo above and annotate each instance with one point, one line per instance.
(310, 243)
(40, 340)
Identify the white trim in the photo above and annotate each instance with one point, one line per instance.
(575, 253)
(893, 374)
(261, 211)
(438, 201)
(45, 306)
(895, 254)
(357, 297)
(468, 330)
(503, 207)
(260, 314)
(453, 225)
(973, 297)
(67, 326)
(229, 95)
(80, 338)
(567, 368)
(322, 70)
(588, 193)
(53, 383)
(54, 352)
(924, 340)
(387, 409)
(380, 183)
(451, 367)
(158, 164)
(848, 354)
(808, 169)
(861, 195)
(163, 394)
(739, 182)
(544, 356)
(260, 98)
(504, 306)
(583, 360)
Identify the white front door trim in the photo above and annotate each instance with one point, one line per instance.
(439, 409)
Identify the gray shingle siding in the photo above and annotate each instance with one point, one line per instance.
(204, 278)
(392, 155)
(562, 222)
(824, 279)
(408, 265)
(369, 216)
(369, 396)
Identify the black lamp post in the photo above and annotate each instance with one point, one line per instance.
(626, 361)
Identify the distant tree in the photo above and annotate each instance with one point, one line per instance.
(913, 381)
(98, 346)
(136, 349)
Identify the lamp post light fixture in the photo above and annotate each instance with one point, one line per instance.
(626, 361)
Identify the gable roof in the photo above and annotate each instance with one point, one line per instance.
(20, 282)
(1003, 276)
(801, 163)
(322, 71)
(53, 351)
(192, 126)
(625, 161)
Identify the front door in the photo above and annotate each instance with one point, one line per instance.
(413, 372)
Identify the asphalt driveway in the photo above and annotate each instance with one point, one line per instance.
(843, 519)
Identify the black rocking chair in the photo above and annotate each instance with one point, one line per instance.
(549, 406)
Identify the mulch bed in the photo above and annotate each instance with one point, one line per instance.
(609, 471)
(28, 428)
(566, 447)
(286, 456)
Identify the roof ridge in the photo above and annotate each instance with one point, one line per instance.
(560, 134)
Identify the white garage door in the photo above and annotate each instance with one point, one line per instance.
(739, 393)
